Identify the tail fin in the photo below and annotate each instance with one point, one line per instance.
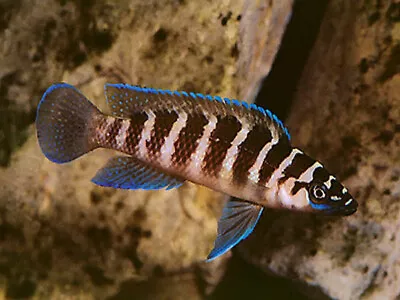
(65, 122)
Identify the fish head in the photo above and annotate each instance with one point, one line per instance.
(317, 192)
(330, 197)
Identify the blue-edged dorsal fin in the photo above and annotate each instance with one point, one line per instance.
(125, 100)
(126, 172)
(237, 221)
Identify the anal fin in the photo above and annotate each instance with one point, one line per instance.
(237, 221)
(126, 172)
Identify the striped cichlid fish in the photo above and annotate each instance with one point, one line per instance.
(237, 148)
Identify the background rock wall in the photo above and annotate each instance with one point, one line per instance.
(346, 113)
(60, 235)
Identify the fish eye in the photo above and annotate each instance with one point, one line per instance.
(318, 192)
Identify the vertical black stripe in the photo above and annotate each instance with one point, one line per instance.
(188, 139)
(274, 157)
(133, 134)
(248, 152)
(278, 153)
(299, 165)
(220, 141)
(161, 129)
(321, 174)
(297, 186)
(336, 188)
(265, 173)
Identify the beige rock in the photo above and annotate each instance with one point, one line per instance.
(347, 114)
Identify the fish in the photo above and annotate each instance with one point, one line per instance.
(165, 138)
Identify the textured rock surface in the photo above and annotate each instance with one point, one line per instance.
(347, 114)
(261, 30)
(60, 235)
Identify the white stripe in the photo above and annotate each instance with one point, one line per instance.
(233, 151)
(109, 122)
(348, 202)
(298, 201)
(254, 171)
(307, 175)
(196, 159)
(122, 133)
(278, 173)
(145, 135)
(328, 183)
(168, 149)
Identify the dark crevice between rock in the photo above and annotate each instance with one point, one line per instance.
(392, 65)
(254, 285)
(97, 276)
(279, 86)
(7, 8)
(12, 121)
(20, 289)
(276, 94)
(135, 232)
(94, 39)
(131, 289)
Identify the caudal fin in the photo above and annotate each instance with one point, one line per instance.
(65, 122)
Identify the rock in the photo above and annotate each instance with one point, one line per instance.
(262, 27)
(60, 235)
(346, 113)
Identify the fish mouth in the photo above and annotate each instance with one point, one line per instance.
(345, 210)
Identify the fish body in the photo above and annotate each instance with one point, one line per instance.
(169, 137)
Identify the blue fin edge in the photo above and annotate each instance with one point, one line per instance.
(53, 87)
(245, 235)
(228, 101)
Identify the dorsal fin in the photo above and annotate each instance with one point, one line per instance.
(124, 100)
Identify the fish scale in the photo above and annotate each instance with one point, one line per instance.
(161, 129)
(168, 137)
(188, 138)
(220, 141)
(248, 153)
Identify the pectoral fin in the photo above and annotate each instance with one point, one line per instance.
(237, 221)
